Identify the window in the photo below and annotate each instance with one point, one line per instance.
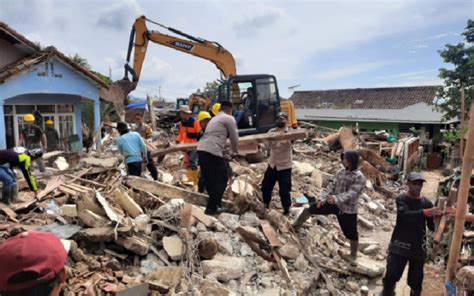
(25, 109)
(65, 108)
(266, 90)
(45, 108)
(8, 109)
(66, 126)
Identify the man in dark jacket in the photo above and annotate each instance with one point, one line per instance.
(342, 201)
(10, 159)
(414, 214)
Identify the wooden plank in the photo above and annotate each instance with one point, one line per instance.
(186, 215)
(160, 255)
(243, 141)
(9, 213)
(50, 187)
(203, 218)
(270, 234)
(76, 188)
(67, 190)
(85, 181)
(169, 191)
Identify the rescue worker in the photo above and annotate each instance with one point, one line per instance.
(33, 137)
(189, 129)
(203, 118)
(279, 168)
(211, 149)
(342, 201)
(132, 148)
(215, 109)
(146, 132)
(407, 245)
(10, 159)
(52, 136)
(33, 263)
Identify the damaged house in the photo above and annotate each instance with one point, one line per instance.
(45, 80)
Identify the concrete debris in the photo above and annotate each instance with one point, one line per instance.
(129, 234)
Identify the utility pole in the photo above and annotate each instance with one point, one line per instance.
(461, 133)
(292, 88)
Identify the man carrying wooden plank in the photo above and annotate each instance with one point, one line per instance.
(10, 159)
(132, 148)
(211, 149)
(146, 132)
(407, 246)
(342, 201)
(279, 168)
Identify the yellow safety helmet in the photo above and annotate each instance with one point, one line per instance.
(216, 108)
(29, 118)
(203, 115)
(49, 121)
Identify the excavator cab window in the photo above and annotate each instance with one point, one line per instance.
(268, 104)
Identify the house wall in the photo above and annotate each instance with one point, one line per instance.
(10, 53)
(51, 82)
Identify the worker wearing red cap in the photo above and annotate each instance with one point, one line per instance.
(32, 263)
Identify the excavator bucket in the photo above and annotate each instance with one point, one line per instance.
(118, 92)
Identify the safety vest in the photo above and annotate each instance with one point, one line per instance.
(189, 131)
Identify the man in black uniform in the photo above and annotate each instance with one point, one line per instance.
(10, 159)
(33, 137)
(414, 214)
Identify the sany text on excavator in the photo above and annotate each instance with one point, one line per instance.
(256, 98)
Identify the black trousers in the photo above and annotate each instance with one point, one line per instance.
(134, 168)
(395, 267)
(214, 171)
(151, 166)
(284, 182)
(202, 184)
(347, 222)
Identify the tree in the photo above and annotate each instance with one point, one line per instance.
(211, 89)
(80, 61)
(461, 56)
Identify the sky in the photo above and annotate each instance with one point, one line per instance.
(307, 45)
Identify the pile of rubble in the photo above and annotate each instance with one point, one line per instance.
(137, 235)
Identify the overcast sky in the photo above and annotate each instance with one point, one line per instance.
(314, 44)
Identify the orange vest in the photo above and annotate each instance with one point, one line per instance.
(189, 131)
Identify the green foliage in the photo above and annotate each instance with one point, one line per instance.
(107, 111)
(453, 135)
(211, 89)
(461, 56)
(102, 77)
(80, 61)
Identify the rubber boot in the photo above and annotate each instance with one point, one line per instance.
(6, 196)
(305, 214)
(195, 179)
(415, 292)
(354, 249)
(14, 195)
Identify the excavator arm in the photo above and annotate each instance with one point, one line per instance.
(208, 50)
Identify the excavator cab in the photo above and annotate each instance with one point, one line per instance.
(256, 101)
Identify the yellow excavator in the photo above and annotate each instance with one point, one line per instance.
(256, 98)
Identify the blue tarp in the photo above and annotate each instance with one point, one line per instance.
(137, 106)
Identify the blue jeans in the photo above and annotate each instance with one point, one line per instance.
(7, 177)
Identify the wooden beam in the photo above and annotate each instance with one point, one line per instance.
(169, 191)
(243, 141)
(463, 193)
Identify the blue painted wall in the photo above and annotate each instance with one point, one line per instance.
(55, 84)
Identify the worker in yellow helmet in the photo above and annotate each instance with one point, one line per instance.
(33, 137)
(216, 108)
(203, 118)
(52, 136)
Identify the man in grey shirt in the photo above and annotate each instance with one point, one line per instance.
(279, 168)
(211, 149)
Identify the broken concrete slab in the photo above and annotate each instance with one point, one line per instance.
(87, 203)
(366, 223)
(289, 252)
(224, 268)
(173, 246)
(370, 250)
(101, 234)
(61, 164)
(91, 219)
(111, 214)
(69, 210)
(302, 168)
(167, 275)
(127, 203)
(111, 162)
(61, 231)
(368, 267)
(214, 288)
(135, 244)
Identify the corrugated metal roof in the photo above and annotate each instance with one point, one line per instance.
(364, 98)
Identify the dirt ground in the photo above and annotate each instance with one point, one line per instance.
(434, 276)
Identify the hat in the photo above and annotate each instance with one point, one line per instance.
(36, 252)
(203, 115)
(29, 118)
(415, 176)
(35, 153)
(122, 126)
(216, 108)
(185, 109)
(49, 121)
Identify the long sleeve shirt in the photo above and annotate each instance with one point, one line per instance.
(131, 146)
(347, 189)
(409, 234)
(188, 131)
(23, 161)
(280, 153)
(221, 127)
